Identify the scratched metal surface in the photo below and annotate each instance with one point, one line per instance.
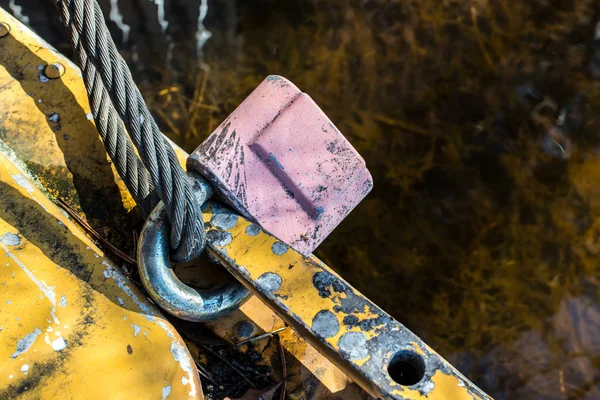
(355, 334)
(46, 130)
(481, 234)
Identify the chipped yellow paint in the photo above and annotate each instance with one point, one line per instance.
(42, 108)
(294, 292)
(72, 325)
(62, 336)
(418, 349)
(362, 361)
(298, 301)
(75, 168)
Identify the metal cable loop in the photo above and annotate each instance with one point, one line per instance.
(91, 38)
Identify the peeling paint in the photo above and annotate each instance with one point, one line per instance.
(59, 344)
(279, 248)
(220, 238)
(23, 182)
(25, 344)
(269, 281)
(43, 78)
(181, 355)
(10, 239)
(166, 391)
(429, 386)
(110, 272)
(40, 284)
(252, 230)
(136, 329)
(53, 314)
(224, 221)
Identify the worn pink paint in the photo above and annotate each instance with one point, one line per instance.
(280, 161)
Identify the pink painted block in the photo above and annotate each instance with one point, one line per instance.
(280, 161)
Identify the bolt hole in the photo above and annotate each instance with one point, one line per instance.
(406, 368)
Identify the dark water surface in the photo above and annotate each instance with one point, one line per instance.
(478, 121)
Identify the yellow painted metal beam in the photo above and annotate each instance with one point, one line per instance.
(386, 358)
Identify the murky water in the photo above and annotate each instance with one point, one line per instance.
(478, 121)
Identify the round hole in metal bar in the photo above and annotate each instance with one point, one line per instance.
(406, 368)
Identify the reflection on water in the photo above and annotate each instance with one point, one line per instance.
(478, 122)
(116, 17)
(202, 34)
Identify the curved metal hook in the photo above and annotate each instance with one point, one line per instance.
(167, 290)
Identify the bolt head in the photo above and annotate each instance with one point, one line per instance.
(4, 29)
(54, 70)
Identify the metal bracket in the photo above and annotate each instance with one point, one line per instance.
(375, 350)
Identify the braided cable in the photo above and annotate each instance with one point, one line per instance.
(111, 90)
(109, 126)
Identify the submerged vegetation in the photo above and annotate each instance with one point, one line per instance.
(479, 122)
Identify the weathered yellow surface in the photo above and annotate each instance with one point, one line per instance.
(71, 324)
(297, 293)
(446, 387)
(68, 160)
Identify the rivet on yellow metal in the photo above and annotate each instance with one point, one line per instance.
(54, 70)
